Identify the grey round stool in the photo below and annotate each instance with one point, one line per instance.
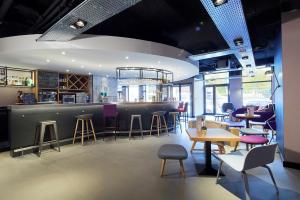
(139, 117)
(157, 118)
(86, 121)
(51, 124)
(176, 120)
(173, 152)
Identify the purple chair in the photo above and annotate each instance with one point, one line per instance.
(110, 112)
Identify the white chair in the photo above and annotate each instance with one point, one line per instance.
(243, 160)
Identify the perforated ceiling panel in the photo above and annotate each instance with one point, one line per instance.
(91, 11)
(230, 20)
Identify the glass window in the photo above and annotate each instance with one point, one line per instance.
(150, 93)
(176, 93)
(134, 93)
(256, 88)
(219, 78)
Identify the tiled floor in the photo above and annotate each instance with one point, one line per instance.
(130, 170)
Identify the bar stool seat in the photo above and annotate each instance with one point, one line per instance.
(86, 121)
(139, 117)
(51, 124)
(160, 116)
(176, 120)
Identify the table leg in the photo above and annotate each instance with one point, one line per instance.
(208, 168)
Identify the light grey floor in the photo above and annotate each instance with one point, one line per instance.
(130, 170)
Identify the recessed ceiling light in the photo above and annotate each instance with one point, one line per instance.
(238, 41)
(63, 53)
(67, 70)
(82, 66)
(127, 57)
(248, 65)
(47, 60)
(219, 2)
(158, 62)
(100, 65)
(90, 73)
(78, 24)
(73, 60)
(107, 75)
(245, 57)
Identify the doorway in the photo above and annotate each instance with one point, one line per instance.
(215, 97)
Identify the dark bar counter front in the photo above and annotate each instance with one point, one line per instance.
(23, 120)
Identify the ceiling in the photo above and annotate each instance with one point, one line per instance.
(182, 24)
(98, 55)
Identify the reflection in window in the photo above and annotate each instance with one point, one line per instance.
(218, 78)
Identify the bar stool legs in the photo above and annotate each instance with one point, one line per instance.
(86, 124)
(53, 135)
(139, 117)
(159, 126)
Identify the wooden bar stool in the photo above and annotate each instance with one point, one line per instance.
(41, 133)
(139, 117)
(85, 120)
(159, 116)
(176, 120)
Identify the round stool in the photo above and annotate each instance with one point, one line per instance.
(139, 117)
(174, 152)
(85, 120)
(160, 116)
(250, 131)
(176, 120)
(41, 133)
(253, 140)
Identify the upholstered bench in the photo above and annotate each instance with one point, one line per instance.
(253, 140)
(173, 152)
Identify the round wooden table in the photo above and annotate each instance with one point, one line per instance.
(247, 118)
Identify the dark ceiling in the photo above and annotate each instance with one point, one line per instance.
(183, 24)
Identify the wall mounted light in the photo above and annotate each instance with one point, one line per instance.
(245, 57)
(248, 65)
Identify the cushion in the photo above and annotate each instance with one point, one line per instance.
(172, 151)
(253, 139)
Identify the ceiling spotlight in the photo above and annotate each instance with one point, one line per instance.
(248, 65)
(63, 53)
(82, 66)
(73, 60)
(78, 24)
(100, 65)
(238, 41)
(219, 2)
(47, 60)
(158, 62)
(90, 73)
(245, 57)
(68, 70)
(127, 57)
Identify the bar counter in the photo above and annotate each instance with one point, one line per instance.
(23, 119)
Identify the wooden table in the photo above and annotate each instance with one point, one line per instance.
(247, 118)
(212, 135)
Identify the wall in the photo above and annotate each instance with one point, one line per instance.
(291, 82)
(278, 97)
(8, 95)
(235, 92)
(104, 84)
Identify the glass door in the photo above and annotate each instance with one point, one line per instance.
(209, 100)
(221, 95)
(215, 97)
(186, 96)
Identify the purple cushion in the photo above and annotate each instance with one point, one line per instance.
(254, 139)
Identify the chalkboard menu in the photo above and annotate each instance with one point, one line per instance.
(47, 79)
